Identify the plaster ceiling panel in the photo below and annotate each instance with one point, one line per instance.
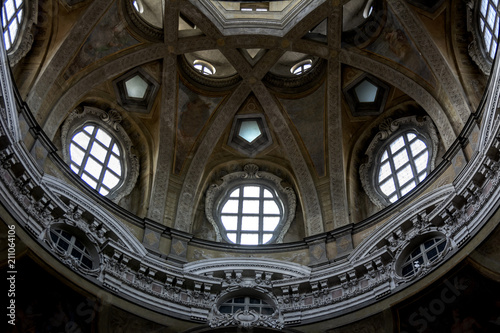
(109, 37)
(394, 43)
(194, 111)
(308, 116)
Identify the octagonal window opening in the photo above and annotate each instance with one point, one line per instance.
(204, 67)
(366, 92)
(69, 245)
(301, 67)
(250, 214)
(12, 18)
(489, 26)
(96, 157)
(404, 163)
(136, 87)
(424, 254)
(246, 304)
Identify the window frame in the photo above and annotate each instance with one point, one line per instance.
(88, 154)
(24, 39)
(300, 68)
(246, 305)
(479, 16)
(415, 175)
(441, 244)
(225, 197)
(388, 131)
(217, 195)
(76, 235)
(110, 122)
(204, 65)
(476, 48)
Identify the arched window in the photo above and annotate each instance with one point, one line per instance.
(68, 245)
(404, 163)
(488, 26)
(250, 214)
(400, 156)
(250, 207)
(423, 254)
(13, 14)
(99, 151)
(97, 158)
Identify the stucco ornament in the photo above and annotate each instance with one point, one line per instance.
(245, 318)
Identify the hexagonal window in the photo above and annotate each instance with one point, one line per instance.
(250, 134)
(136, 90)
(136, 87)
(366, 92)
(249, 130)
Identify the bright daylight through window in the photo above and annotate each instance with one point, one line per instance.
(488, 26)
(12, 18)
(250, 214)
(404, 163)
(301, 67)
(204, 67)
(96, 158)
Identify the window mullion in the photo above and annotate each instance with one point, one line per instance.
(105, 164)
(411, 161)
(393, 169)
(261, 215)
(240, 215)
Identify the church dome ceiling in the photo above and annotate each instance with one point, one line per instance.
(299, 159)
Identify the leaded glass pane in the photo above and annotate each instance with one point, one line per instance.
(397, 144)
(249, 239)
(388, 187)
(251, 191)
(231, 206)
(230, 222)
(400, 159)
(250, 223)
(76, 154)
(251, 206)
(270, 207)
